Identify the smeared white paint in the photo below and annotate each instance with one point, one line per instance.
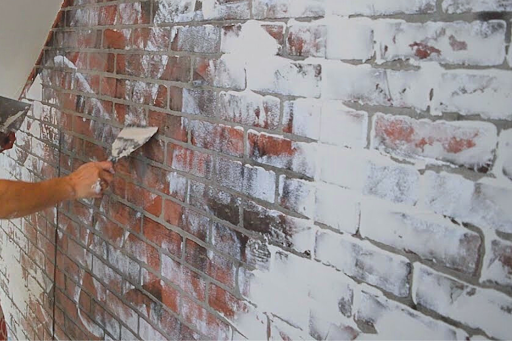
(96, 187)
(495, 269)
(503, 165)
(393, 321)
(379, 7)
(462, 302)
(462, 6)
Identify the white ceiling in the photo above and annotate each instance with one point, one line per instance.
(24, 26)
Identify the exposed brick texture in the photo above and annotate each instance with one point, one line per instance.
(326, 169)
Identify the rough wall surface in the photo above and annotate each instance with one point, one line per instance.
(324, 169)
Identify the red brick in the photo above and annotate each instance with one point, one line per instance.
(170, 125)
(206, 323)
(79, 59)
(281, 152)
(134, 13)
(173, 213)
(223, 205)
(224, 302)
(190, 161)
(143, 198)
(88, 39)
(102, 62)
(124, 215)
(225, 72)
(175, 185)
(116, 39)
(154, 150)
(170, 297)
(130, 115)
(109, 86)
(187, 280)
(201, 39)
(110, 231)
(469, 144)
(214, 265)
(151, 38)
(177, 69)
(94, 151)
(160, 235)
(218, 137)
(107, 15)
(143, 252)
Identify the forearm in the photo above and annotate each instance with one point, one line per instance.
(18, 199)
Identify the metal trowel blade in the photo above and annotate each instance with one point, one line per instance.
(12, 114)
(129, 140)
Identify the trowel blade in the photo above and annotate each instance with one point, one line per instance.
(12, 114)
(129, 140)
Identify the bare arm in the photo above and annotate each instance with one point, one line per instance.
(18, 199)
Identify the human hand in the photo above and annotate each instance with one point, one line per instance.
(91, 179)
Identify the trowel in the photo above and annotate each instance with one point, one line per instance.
(129, 140)
(12, 114)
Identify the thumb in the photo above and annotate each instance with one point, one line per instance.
(106, 165)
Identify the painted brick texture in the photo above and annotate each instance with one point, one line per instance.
(324, 169)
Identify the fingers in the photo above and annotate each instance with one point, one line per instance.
(107, 177)
(107, 166)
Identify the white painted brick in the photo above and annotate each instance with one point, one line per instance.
(259, 183)
(287, 8)
(475, 307)
(379, 7)
(253, 181)
(487, 93)
(428, 235)
(280, 330)
(466, 143)
(281, 76)
(302, 117)
(297, 195)
(239, 39)
(367, 85)
(229, 173)
(497, 266)
(349, 38)
(338, 208)
(395, 183)
(342, 166)
(481, 204)
(329, 122)
(322, 38)
(299, 157)
(321, 329)
(476, 43)
(343, 126)
(462, 6)
(226, 72)
(249, 108)
(391, 319)
(503, 164)
(201, 39)
(364, 261)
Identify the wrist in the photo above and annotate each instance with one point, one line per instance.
(70, 187)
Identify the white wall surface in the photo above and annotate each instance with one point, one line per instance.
(24, 26)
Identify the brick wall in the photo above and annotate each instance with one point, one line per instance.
(324, 169)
